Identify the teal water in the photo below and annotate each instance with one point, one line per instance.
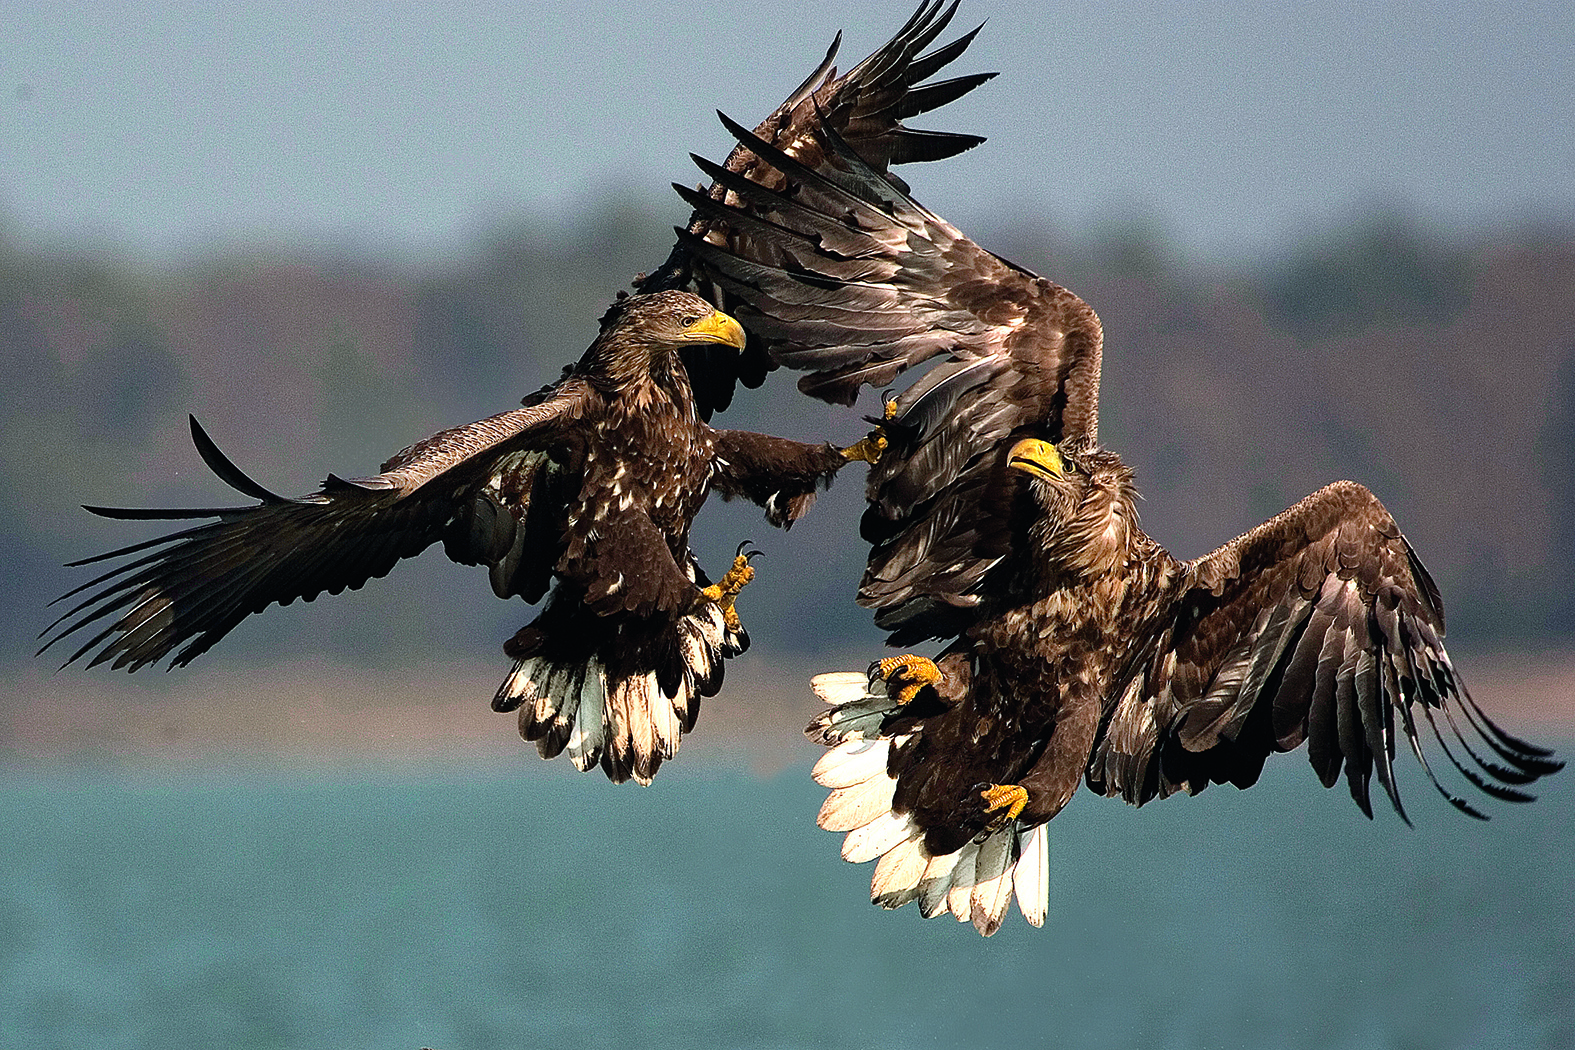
(470, 909)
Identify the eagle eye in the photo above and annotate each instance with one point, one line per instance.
(689, 320)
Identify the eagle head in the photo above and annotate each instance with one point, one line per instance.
(642, 334)
(1087, 506)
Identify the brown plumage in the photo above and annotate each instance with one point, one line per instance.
(586, 492)
(866, 107)
(1079, 650)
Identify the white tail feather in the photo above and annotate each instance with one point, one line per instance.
(935, 883)
(959, 899)
(1031, 877)
(550, 696)
(664, 715)
(842, 687)
(852, 762)
(992, 889)
(521, 682)
(976, 883)
(853, 807)
(897, 874)
(876, 837)
(638, 721)
(708, 621)
(859, 707)
(590, 730)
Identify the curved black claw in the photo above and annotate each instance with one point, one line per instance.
(724, 591)
(905, 675)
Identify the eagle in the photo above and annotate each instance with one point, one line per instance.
(1076, 650)
(580, 500)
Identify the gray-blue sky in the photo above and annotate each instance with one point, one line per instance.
(165, 127)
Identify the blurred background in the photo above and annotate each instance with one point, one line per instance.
(1327, 242)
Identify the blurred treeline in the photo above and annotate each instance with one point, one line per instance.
(1439, 372)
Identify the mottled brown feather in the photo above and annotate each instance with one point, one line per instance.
(1079, 650)
(867, 107)
(589, 490)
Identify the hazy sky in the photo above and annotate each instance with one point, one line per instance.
(162, 127)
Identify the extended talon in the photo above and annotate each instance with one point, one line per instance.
(867, 448)
(725, 591)
(1010, 797)
(870, 447)
(908, 672)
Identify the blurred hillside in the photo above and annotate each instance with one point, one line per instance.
(1440, 373)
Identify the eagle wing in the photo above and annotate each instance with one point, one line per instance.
(471, 486)
(845, 276)
(1321, 625)
(866, 107)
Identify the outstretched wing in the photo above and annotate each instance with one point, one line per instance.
(471, 486)
(1319, 625)
(866, 106)
(846, 276)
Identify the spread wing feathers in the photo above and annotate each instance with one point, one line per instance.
(974, 883)
(869, 102)
(867, 107)
(1319, 625)
(471, 487)
(620, 693)
(848, 276)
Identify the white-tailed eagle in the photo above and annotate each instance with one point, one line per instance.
(583, 497)
(1078, 651)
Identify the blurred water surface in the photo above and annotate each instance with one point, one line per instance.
(476, 908)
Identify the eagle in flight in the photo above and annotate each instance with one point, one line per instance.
(584, 496)
(1078, 650)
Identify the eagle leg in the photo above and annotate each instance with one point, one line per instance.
(1010, 797)
(725, 591)
(908, 672)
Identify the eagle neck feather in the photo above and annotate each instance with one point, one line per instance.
(665, 384)
(1101, 535)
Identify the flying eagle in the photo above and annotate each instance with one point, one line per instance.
(583, 496)
(1079, 650)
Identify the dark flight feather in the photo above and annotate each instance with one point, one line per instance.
(587, 490)
(583, 496)
(866, 107)
(1079, 650)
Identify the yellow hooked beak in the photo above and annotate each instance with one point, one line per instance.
(1036, 458)
(716, 327)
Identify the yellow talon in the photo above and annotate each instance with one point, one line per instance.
(868, 449)
(909, 672)
(725, 591)
(1010, 797)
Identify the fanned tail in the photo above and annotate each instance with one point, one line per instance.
(975, 883)
(627, 704)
